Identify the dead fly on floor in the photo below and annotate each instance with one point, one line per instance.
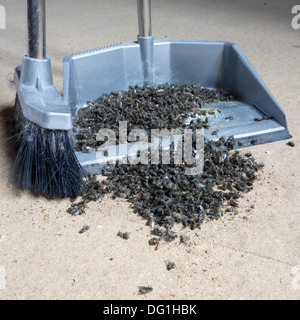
(184, 239)
(155, 242)
(123, 235)
(291, 144)
(144, 290)
(170, 265)
(84, 228)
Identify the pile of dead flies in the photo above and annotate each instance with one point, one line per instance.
(161, 107)
(164, 194)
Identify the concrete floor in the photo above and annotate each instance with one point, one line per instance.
(253, 255)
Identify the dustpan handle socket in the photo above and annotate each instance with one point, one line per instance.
(36, 29)
(144, 18)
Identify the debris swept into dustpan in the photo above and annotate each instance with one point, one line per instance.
(148, 107)
(163, 194)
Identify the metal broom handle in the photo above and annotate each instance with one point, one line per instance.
(36, 29)
(144, 18)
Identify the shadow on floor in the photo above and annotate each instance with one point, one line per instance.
(7, 139)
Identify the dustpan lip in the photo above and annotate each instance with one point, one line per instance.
(121, 45)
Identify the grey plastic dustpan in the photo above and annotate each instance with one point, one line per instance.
(212, 64)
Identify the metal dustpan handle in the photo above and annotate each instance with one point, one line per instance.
(146, 40)
(144, 18)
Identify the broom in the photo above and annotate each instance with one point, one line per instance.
(45, 161)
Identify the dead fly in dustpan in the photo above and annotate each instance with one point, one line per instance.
(51, 167)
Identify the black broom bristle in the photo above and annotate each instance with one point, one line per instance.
(45, 162)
